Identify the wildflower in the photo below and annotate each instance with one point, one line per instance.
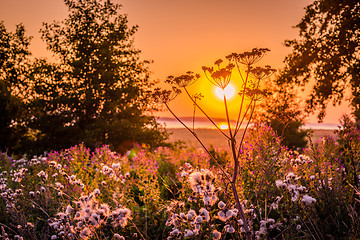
(229, 214)
(298, 227)
(291, 175)
(42, 189)
(69, 209)
(279, 183)
(53, 237)
(260, 73)
(205, 214)
(225, 214)
(275, 204)
(206, 200)
(191, 214)
(221, 205)
(115, 165)
(249, 58)
(32, 194)
(198, 219)
(197, 228)
(80, 224)
(97, 191)
(118, 237)
(29, 224)
(188, 233)
(216, 235)
(308, 200)
(42, 174)
(195, 181)
(175, 233)
(183, 80)
(166, 96)
(221, 77)
(229, 228)
(85, 233)
(222, 216)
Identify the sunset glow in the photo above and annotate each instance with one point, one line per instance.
(223, 126)
(229, 92)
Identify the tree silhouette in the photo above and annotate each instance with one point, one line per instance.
(98, 91)
(327, 51)
(281, 110)
(13, 71)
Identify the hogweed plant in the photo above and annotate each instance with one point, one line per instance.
(221, 75)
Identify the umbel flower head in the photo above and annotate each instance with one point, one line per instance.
(255, 94)
(183, 80)
(248, 58)
(221, 77)
(261, 73)
(165, 96)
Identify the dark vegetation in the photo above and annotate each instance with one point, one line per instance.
(98, 91)
(94, 102)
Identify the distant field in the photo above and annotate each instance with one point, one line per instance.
(215, 138)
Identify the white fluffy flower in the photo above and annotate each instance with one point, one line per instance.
(205, 214)
(221, 205)
(188, 233)
(230, 229)
(308, 200)
(216, 235)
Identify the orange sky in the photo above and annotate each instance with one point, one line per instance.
(185, 35)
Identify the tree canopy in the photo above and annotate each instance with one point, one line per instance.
(14, 63)
(281, 110)
(98, 90)
(328, 51)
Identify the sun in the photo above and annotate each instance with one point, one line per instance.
(223, 126)
(229, 92)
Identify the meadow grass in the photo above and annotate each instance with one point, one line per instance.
(180, 193)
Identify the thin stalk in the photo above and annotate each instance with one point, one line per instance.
(205, 114)
(227, 117)
(266, 172)
(197, 138)
(252, 99)
(247, 126)
(139, 231)
(243, 97)
(236, 167)
(243, 118)
(238, 68)
(194, 118)
(241, 212)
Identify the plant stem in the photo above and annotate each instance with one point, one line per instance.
(205, 113)
(201, 143)
(236, 167)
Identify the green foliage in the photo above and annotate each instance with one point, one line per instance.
(328, 52)
(99, 90)
(284, 194)
(349, 149)
(282, 112)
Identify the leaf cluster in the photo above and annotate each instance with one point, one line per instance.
(328, 53)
